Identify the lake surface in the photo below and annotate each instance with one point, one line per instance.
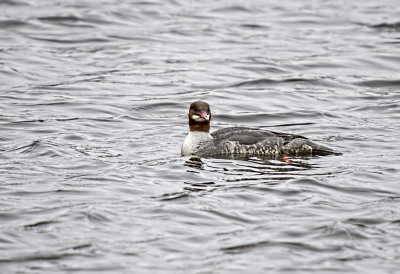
(93, 111)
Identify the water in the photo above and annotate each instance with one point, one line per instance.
(94, 98)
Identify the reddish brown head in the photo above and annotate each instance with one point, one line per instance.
(199, 116)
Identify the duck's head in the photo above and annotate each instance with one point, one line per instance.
(199, 116)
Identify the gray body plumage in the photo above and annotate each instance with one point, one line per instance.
(248, 141)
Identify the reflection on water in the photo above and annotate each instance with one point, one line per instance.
(194, 162)
(93, 107)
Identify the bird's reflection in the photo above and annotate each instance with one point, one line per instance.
(194, 162)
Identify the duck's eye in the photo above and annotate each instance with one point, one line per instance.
(195, 109)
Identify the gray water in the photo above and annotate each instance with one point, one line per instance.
(93, 111)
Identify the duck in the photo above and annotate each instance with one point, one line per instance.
(242, 141)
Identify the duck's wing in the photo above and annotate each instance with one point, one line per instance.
(243, 135)
(288, 136)
(242, 141)
(262, 141)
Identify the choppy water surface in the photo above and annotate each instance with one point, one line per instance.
(93, 109)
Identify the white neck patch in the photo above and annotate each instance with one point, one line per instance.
(193, 141)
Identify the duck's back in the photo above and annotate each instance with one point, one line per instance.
(250, 141)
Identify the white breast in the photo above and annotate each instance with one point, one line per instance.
(193, 141)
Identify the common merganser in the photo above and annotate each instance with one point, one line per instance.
(242, 141)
